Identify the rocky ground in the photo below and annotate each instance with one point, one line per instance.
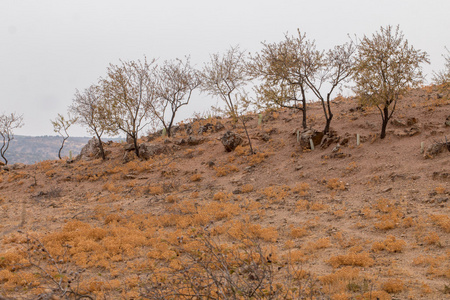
(353, 221)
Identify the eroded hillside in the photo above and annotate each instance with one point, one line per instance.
(340, 222)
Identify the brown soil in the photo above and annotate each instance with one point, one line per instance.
(389, 188)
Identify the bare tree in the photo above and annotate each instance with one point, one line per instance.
(90, 109)
(129, 91)
(224, 77)
(7, 125)
(281, 66)
(175, 82)
(386, 67)
(61, 126)
(442, 78)
(327, 70)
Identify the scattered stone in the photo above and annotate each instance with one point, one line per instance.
(205, 128)
(308, 134)
(129, 156)
(441, 200)
(434, 149)
(447, 121)
(387, 190)
(147, 150)
(344, 141)
(129, 147)
(411, 121)
(193, 141)
(230, 141)
(407, 132)
(398, 123)
(91, 150)
(441, 176)
(265, 137)
(298, 168)
(340, 155)
(336, 148)
(18, 166)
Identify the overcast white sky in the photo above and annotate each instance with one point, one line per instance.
(49, 48)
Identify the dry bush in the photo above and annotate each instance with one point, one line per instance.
(225, 170)
(361, 259)
(391, 244)
(196, 178)
(321, 243)
(393, 285)
(172, 198)
(257, 158)
(276, 193)
(336, 184)
(209, 269)
(247, 188)
(442, 221)
(222, 196)
(298, 232)
(432, 238)
(301, 189)
(156, 190)
(440, 189)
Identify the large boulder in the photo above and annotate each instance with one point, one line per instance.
(91, 150)
(231, 140)
(147, 150)
(307, 134)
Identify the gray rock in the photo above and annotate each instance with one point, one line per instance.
(91, 150)
(231, 140)
(308, 134)
(147, 150)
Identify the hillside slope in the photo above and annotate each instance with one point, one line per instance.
(359, 222)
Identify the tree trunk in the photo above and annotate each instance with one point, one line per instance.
(62, 146)
(136, 148)
(328, 116)
(327, 125)
(385, 116)
(4, 158)
(100, 145)
(304, 125)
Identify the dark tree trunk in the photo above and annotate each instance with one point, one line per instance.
(385, 117)
(136, 148)
(100, 145)
(62, 146)
(328, 124)
(328, 114)
(304, 108)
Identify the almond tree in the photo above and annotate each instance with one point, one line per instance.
(442, 78)
(176, 80)
(129, 91)
(61, 126)
(281, 67)
(224, 77)
(90, 108)
(327, 71)
(7, 125)
(386, 67)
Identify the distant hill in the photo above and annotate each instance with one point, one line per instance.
(31, 149)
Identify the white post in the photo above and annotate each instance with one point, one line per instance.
(358, 139)
(311, 143)
(422, 147)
